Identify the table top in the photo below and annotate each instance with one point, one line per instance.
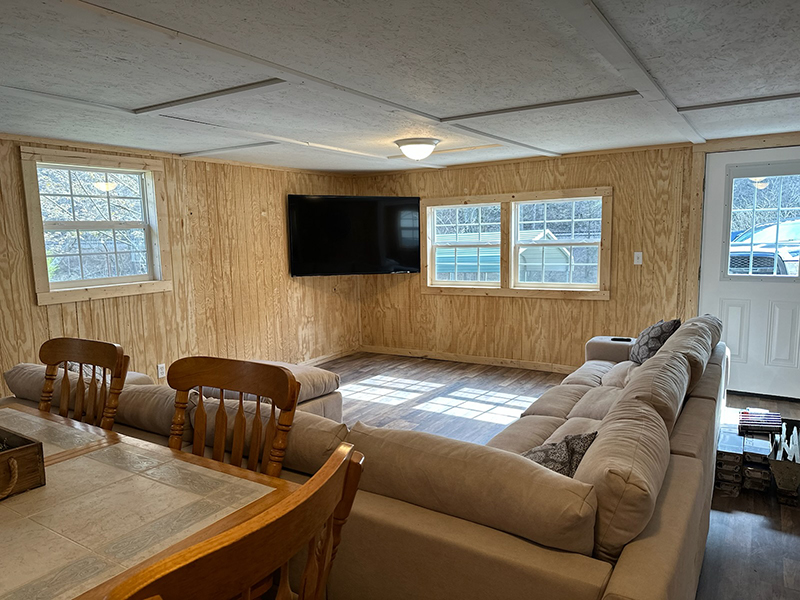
(111, 506)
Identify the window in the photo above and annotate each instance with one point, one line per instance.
(557, 243)
(764, 234)
(94, 225)
(466, 244)
(545, 244)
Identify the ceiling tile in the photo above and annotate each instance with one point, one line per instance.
(707, 51)
(63, 49)
(80, 124)
(617, 123)
(749, 119)
(447, 57)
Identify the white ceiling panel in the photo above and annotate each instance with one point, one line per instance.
(581, 127)
(301, 113)
(446, 58)
(62, 49)
(704, 51)
(43, 118)
(299, 157)
(748, 119)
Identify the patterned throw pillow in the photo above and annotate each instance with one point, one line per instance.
(564, 456)
(651, 339)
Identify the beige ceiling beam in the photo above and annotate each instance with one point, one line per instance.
(529, 107)
(287, 74)
(592, 25)
(267, 85)
(741, 102)
(227, 149)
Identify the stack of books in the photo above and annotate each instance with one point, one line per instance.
(755, 421)
(757, 475)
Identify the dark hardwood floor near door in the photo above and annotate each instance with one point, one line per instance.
(753, 547)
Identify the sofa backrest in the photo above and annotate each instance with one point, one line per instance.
(661, 382)
(481, 484)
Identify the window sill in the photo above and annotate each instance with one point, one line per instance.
(62, 296)
(517, 292)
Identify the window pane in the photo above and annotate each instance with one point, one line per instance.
(63, 268)
(60, 242)
(89, 183)
(445, 262)
(466, 264)
(489, 264)
(445, 216)
(126, 209)
(530, 265)
(556, 264)
(765, 226)
(468, 215)
(125, 184)
(96, 266)
(91, 208)
(584, 274)
(585, 255)
(53, 181)
(97, 241)
(130, 240)
(56, 208)
(132, 263)
(470, 224)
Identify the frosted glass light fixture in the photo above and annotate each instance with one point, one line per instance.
(417, 148)
(105, 186)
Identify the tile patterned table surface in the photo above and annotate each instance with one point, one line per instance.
(104, 511)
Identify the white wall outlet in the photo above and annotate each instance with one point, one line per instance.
(162, 370)
(637, 258)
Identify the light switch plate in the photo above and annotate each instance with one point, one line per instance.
(162, 370)
(637, 258)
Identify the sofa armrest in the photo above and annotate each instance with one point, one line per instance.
(612, 348)
(664, 562)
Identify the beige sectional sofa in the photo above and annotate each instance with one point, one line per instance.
(439, 518)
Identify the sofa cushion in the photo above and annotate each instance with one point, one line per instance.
(311, 440)
(620, 374)
(695, 432)
(26, 381)
(151, 408)
(589, 373)
(693, 340)
(574, 426)
(662, 383)
(484, 485)
(314, 382)
(626, 466)
(651, 339)
(557, 401)
(563, 456)
(714, 325)
(525, 433)
(709, 385)
(596, 403)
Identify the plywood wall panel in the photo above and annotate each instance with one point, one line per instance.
(649, 198)
(232, 294)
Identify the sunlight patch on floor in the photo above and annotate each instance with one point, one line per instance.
(479, 405)
(383, 389)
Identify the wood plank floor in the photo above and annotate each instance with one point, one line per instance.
(753, 547)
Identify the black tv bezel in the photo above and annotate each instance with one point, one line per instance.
(290, 238)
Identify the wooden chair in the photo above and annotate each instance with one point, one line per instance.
(251, 558)
(263, 381)
(107, 361)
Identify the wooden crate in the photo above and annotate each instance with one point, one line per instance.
(28, 456)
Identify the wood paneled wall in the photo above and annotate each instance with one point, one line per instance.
(232, 295)
(652, 202)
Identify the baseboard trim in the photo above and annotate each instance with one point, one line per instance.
(468, 358)
(325, 358)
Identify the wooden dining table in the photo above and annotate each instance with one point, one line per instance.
(112, 505)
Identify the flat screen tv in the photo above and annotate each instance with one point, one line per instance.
(353, 235)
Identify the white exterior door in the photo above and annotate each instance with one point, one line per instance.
(749, 266)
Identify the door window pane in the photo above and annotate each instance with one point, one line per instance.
(765, 226)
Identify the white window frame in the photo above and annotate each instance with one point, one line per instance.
(739, 171)
(456, 245)
(517, 245)
(509, 286)
(155, 225)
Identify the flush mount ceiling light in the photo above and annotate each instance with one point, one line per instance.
(417, 148)
(105, 186)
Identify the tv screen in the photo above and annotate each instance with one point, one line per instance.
(353, 235)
